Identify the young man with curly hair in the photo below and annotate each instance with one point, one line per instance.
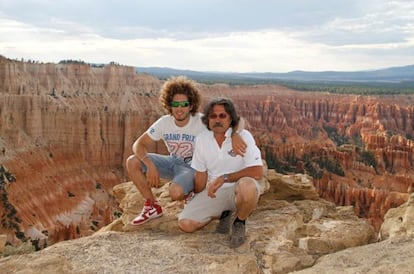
(178, 129)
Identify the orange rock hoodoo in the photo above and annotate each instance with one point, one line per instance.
(66, 131)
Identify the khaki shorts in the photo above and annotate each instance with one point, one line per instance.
(203, 208)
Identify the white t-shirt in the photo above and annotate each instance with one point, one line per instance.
(208, 156)
(180, 141)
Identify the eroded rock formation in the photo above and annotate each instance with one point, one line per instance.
(66, 130)
(65, 133)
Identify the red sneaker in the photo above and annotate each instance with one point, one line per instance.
(149, 211)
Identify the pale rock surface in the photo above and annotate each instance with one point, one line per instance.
(394, 254)
(283, 235)
(399, 221)
(389, 256)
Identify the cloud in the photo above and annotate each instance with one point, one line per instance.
(392, 22)
(231, 35)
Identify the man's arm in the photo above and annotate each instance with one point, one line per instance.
(238, 144)
(255, 172)
(140, 146)
(200, 181)
(140, 150)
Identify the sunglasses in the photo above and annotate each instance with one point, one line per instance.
(214, 116)
(176, 104)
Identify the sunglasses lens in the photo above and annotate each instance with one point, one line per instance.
(176, 104)
(221, 116)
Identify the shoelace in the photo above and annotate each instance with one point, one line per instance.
(147, 208)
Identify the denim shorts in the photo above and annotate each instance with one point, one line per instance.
(174, 169)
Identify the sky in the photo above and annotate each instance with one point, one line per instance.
(212, 35)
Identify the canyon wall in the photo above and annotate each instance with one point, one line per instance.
(66, 130)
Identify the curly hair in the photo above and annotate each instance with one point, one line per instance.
(228, 107)
(180, 85)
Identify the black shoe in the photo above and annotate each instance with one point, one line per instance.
(238, 234)
(223, 226)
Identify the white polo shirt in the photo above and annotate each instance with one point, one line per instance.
(208, 156)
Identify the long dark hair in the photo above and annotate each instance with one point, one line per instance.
(228, 106)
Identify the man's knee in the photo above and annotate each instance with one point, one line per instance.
(132, 163)
(176, 192)
(187, 225)
(247, 189)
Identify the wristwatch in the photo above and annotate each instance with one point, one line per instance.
(226, 177)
